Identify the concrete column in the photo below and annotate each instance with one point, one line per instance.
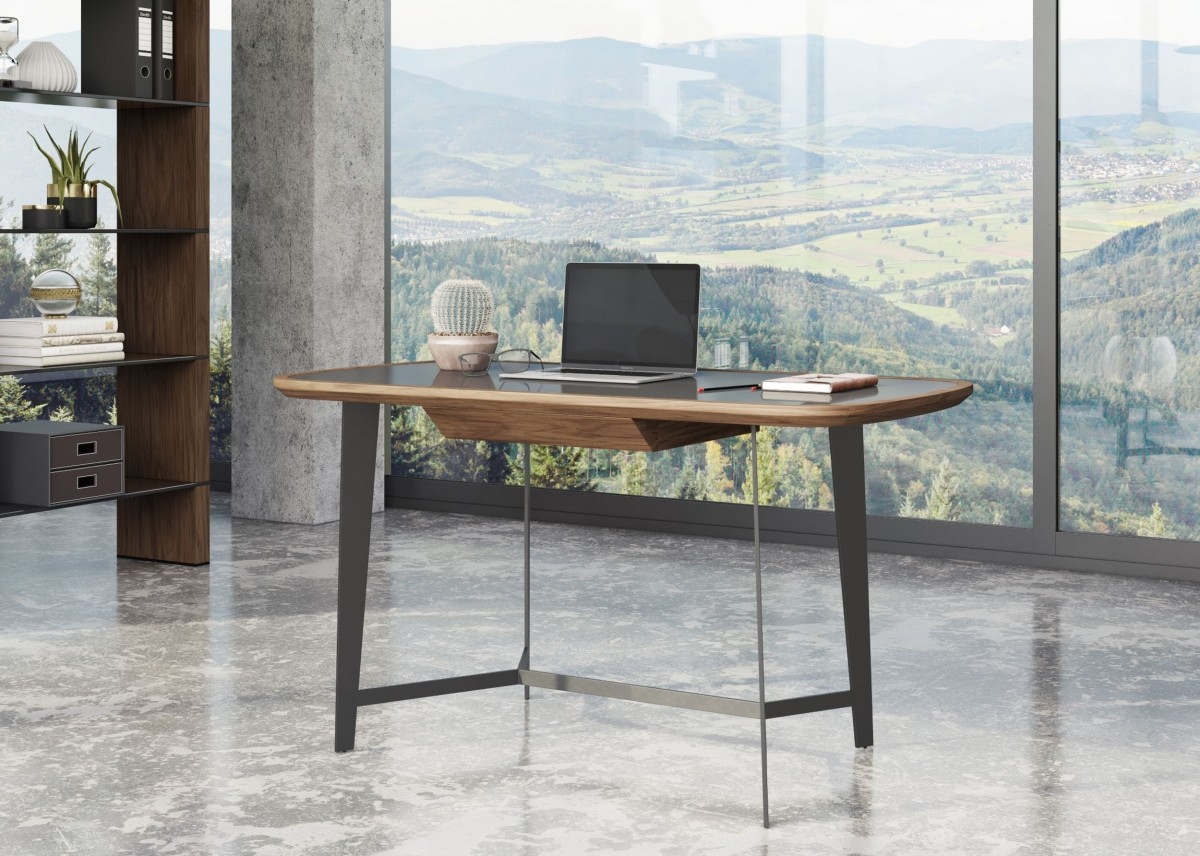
(310, 238)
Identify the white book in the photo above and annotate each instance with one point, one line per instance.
(821, 382)
(62, 360)
(58, 341)
(72, 325)
(60, 350)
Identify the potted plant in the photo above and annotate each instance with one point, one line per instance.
(69, 167)
(462, 322)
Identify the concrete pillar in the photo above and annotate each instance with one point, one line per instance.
(310, 238)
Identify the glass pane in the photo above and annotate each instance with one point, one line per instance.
(220, 237)
(1130, 224)
(24, 174)
(854, 179)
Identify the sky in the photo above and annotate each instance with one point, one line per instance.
(451, 23)
(446, 23)
(47, 17)
(897, 22)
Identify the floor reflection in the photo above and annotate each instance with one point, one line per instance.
(1046, 734)
(158, 709)
(862, 788)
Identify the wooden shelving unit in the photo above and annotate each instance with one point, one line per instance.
(162, 304)
(104, 231)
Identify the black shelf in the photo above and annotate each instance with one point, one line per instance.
(133, 488)
(75, 368)
(79, 99)
(103, 231)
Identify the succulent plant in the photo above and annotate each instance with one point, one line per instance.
(462, 307)
(70, 165)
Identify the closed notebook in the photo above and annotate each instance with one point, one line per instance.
(73, 325)
(63, 359)
(35, 350)
(59, 341)
(814, 382)
(848, 397)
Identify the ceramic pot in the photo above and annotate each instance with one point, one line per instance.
(447, 349)
(47, 68)
(40, 218)
(81, 206)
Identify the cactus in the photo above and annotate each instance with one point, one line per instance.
(462, 307)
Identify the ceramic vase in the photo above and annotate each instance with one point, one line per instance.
(81, 206)
(45, 67)
(40, 218)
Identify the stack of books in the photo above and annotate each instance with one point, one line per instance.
(77, 339)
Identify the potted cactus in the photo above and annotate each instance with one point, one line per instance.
(462, 322)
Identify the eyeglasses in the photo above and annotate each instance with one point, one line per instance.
(511, 361)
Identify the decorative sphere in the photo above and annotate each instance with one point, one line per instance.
(55, 293)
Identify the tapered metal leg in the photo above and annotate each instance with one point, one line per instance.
(762, 680)
(360, 435)
(850, 512)
(525, 467)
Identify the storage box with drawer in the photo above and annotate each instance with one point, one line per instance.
(56, 463)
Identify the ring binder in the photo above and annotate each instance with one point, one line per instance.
(117, 48)
(164, 49)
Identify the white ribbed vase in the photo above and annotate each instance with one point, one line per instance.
(46, 67)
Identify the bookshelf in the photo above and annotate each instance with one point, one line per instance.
(162, 304)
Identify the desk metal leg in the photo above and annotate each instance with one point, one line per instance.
(850, 512)
(525, 655)
(360, 436)
(762, 680)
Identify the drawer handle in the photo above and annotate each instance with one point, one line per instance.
(88, 448)
(82, 482)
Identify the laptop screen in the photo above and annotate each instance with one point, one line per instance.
(632, 316)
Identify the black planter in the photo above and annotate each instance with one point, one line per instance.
(81, 212)
(40, 219)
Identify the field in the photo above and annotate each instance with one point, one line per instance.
(897, 222)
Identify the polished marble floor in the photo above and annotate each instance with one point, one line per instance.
(165, 710)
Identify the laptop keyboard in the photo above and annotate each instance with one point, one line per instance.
(612, 372)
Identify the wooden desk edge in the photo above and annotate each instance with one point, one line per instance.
(302, 385)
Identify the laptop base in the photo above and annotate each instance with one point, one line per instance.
(569, 376)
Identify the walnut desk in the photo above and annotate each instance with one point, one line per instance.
(643, 418)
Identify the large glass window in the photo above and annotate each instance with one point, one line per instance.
(220, 236)
(92, 257)
(854, 179)
(1130, 226)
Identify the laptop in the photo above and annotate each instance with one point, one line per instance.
(627, 323)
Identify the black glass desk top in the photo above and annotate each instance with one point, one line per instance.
(422, 384)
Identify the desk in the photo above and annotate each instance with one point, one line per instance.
(646, 418)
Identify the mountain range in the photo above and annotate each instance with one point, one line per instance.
(620, 102)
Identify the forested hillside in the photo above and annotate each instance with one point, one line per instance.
(1140, 285)
(789, 319)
